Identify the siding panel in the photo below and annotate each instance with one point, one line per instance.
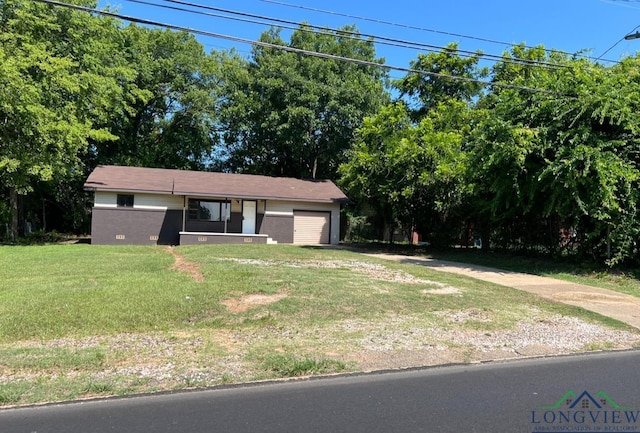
(140, 200)
(158, 201)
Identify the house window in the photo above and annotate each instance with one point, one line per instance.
(206, 210)
(125, 200)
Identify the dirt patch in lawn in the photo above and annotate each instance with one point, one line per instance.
(247, 302)
(183, 265)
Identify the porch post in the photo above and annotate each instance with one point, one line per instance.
(226, 202)
(184, 213)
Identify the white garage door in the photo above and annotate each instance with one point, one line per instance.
(311, 227)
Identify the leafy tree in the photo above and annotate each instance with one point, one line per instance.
(290, 114)
(560, 160)
(169, 117)
(409, 173)
(526, 165)
(408, 161)
(447, 76)
(60, 76)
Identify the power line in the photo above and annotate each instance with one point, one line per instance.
(623, 1)
(383, 40)
(296, 50)
(614, 45)
(407, 26)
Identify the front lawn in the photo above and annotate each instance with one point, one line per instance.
(78, 321)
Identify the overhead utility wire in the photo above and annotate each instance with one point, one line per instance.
(614, 45)
(296, 50)
(407, 26)
(222, 16)
(279, 21)
(387, 41)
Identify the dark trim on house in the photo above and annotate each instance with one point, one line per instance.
(190, 238)
(126, 226)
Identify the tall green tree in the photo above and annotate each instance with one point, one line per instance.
(412, 175)
(60, 76)
(169, 119)
(409, 161)
(295, 115)
(446, 76)
(565, 159)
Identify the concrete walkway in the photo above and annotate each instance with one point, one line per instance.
(619, 306)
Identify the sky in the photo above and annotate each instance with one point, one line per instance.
(567, 25)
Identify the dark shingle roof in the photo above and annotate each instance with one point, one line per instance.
(211, 184)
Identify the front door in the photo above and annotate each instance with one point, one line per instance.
(249, 217)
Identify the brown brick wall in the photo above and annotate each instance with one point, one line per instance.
(278, 227)
(126, 226)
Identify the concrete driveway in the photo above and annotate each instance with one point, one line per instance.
(619, 306)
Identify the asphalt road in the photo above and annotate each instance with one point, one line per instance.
(494, 397)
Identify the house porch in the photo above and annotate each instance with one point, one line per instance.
(198, 238)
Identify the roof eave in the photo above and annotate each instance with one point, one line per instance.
(341, 200)
(142, 191)
(262, 197)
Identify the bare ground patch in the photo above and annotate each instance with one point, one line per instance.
(182, 265)
(404, 342)
(157, 361)
(247, 302)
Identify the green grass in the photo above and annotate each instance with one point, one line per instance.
(289, 365)
(56, 291)
(78, 321)
(14, 392)
(52, 359)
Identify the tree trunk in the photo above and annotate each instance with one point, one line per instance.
(44, 216)
(13, 209)
(485, 236)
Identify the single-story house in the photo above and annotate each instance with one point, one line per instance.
(135, 205)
